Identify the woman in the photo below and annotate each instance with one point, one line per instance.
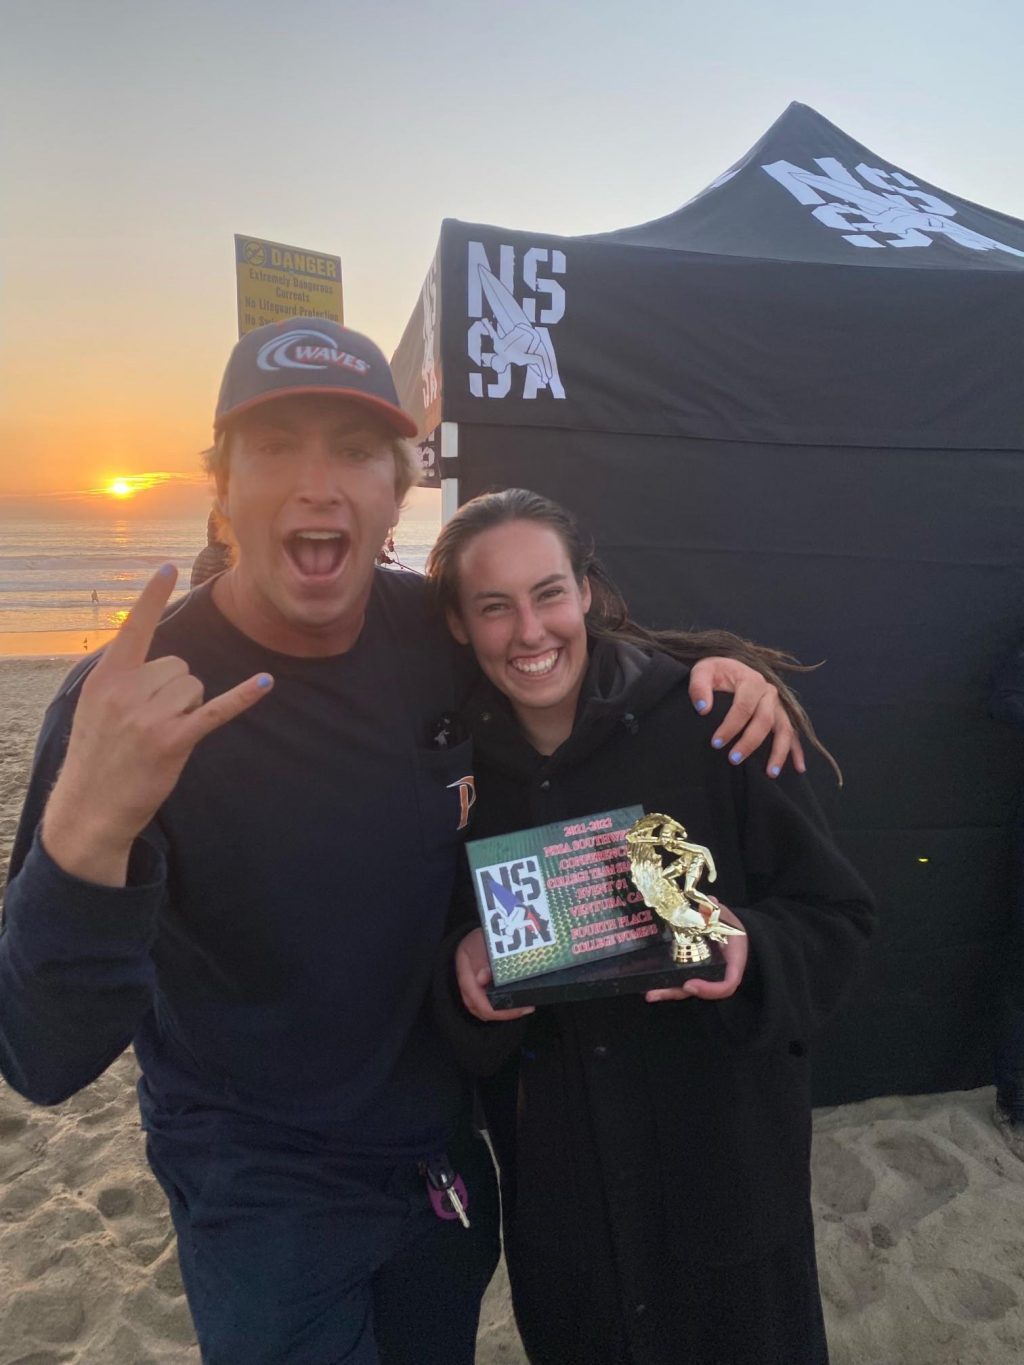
(654, 1150)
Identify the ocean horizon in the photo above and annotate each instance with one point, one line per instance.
(50, 569)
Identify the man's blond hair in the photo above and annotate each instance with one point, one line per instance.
(217, 459)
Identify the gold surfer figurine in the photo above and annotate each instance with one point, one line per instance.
(694, 918)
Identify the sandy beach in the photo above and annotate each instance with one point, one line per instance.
(919, 1207)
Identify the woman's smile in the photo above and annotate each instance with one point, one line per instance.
(538, 665)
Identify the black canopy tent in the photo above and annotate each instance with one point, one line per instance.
(794, 408)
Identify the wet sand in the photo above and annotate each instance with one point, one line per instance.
(23, 644)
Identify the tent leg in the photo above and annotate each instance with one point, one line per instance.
(449, 482)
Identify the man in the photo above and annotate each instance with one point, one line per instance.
(214, 557)
(252, 889)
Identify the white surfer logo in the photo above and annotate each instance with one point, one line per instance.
(515, 340)
(895, 208)
(516, 909)
(428, 366)
(306, 350)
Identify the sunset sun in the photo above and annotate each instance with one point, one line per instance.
(119, 488)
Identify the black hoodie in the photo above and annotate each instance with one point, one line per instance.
(692, 1117)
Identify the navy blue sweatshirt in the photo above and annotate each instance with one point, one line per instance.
(271, 952)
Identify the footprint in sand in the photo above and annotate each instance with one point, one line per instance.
(852, 1273)
(840, 1180)
(146, 1249)
(127, 1345)
(933, 1176)
(167, 1276)
(969, 1295)
(64, 1220)
(63, 1260)
(22, 1198)
(158, 1316)
(46, 1316)
(16, 1158)
(115, 1201)
(57, 1234)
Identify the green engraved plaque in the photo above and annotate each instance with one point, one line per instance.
(559, 895)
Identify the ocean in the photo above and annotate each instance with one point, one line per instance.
(49, 570)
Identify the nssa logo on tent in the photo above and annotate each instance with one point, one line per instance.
(890, 206)
(510, 331)
(431, 386)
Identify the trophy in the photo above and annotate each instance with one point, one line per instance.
(695, 919)
(605, 904)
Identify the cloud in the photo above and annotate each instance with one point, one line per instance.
(137, 483)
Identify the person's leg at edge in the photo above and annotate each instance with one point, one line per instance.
(427, 1296)
(282, 1259)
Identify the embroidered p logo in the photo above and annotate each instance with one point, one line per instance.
(467, 798)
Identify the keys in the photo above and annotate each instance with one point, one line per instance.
(458, 1206)
(446, 1189)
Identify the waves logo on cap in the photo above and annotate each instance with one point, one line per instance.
(307, 350)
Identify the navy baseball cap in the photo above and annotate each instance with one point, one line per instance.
(309, 356)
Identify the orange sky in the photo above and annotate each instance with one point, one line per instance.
(92, 390)
(141, 143)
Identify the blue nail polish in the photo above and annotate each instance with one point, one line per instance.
(717, 743)
(165, 570)
(775, 770)
(736, 756)
(264, 680)
(701, 705)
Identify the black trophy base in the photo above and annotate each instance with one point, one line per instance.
(648, 969)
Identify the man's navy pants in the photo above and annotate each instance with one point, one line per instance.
(291, 1258)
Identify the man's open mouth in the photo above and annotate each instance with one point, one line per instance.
(317, 554)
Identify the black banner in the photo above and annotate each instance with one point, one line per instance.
(580, 335)
(903, 573)
(766, 431)
(417, 363)
(807, 191)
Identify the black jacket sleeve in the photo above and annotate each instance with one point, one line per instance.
(76, 974)
(808, 919)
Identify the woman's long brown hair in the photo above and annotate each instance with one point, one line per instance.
(608, 616)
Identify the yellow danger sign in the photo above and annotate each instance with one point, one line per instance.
(276, 282)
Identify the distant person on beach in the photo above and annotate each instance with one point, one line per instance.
(387, 554)
(95, 598)
(249, 878)
(655, 1151)
(214, 557)
(1006, 703)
